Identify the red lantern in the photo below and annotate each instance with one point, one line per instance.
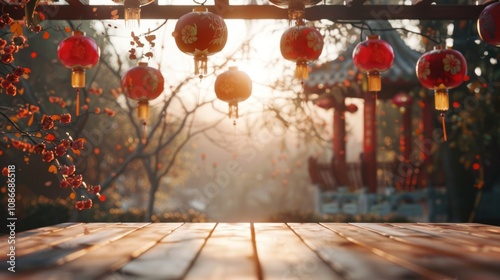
(133, 10)
(296, 8)
(488, 24)
(142, 83)
(373, 56)
(441, 70)
(200, 33)
(402, 99)
(233, 86)
(78, 53)
(301, 44)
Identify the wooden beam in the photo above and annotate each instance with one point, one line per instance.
(331, 12)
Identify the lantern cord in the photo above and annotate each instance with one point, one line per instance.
(144, 132)
(77, 102)
(200, 3)
(444, 127)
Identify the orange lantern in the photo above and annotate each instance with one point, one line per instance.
(233, 86)
(200, 34)
(301, 44)
(373, 56)
(78, 53)
(143, 83)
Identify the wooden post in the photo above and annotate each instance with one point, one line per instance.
(339, 146)
(405, 144)
(369, 157)
(427, 126)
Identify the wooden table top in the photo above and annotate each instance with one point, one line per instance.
(255, 251)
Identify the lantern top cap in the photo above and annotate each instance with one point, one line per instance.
(373, 37)
(78, 33)
(142, 64)
(233, 67)
(200, 9)
(438, 47)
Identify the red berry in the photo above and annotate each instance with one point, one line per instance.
(80, 205)
(78, 144)
(12, 78)
(96, 189)
(19, 71)
(40, 148)
(64, 184)
(77, 180)
(48, 156)
(60, 150)
(10, 49)
(87, 204)
(7, 58)
(66, 143)
(3, 43)
(68, 170)
(19, 40)
(65, 118)
(5, 83)
(6, 18)
(47, 122)
(36, 28)
(5, 172)
(11, 90)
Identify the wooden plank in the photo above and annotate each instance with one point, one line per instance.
(428, 262)
(171, 257)
(120, 245)
(283, 255)
(482, 246)
(30, 244)
(46, 229)
(389, 230)
(227, 254)
(350, 260)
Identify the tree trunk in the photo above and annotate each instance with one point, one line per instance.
(151, 202)
(459, 186)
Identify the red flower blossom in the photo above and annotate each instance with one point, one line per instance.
(40, 148)
(47, 122)
(60, 150)
(47, 156)
(77, 180)
(78, 144)
(65, 118)
(64, 184)
(68, 170)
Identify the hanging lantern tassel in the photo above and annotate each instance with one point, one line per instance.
(77, 102)
(143, 113)
(374, 81)
(442, 103)
(301, 71)
(200, 64)
(233, 110)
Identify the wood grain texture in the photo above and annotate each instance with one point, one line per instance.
(256, 251)
(171, 257)
(227, 254)
(283, 255)
(349, 259)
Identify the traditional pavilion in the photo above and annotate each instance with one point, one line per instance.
(333, 81)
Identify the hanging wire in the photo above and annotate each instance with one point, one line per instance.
(200, 2)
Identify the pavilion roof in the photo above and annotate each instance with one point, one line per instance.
(342, 74)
